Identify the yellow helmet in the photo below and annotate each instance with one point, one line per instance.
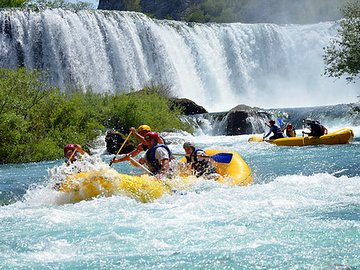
(144, 128)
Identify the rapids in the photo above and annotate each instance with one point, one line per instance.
(302, 212)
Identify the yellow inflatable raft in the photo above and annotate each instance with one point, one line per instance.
(340, 136)
(145, 188)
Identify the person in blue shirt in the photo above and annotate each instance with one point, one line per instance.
(275, 130)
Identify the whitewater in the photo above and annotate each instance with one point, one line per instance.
(216, 65)
(302, 212)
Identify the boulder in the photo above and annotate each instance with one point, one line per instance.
(244, 120)
(188, 106)
(114, 139)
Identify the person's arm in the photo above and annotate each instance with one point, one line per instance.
(162, 156)
(79, 149)
(267, 134)
(137, 135)
(165, 166)
(127, 156)
(123, 158)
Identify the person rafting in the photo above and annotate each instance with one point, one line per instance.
(290, 130)
(140, 133)
(316, 129)
(200, 164)
(73, 152)
(275, 130)
(157, 157)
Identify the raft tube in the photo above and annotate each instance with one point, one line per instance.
(146, 188)
(340, 136)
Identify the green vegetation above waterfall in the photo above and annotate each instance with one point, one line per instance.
(11, 3)
(247, 11)
(277, 11)
(342, 56)
(41, 4)
(37, 120)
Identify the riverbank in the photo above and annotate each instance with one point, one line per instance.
(37, 120)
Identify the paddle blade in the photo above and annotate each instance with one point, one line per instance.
(222, 157)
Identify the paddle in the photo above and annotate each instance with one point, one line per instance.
(220, 157)
(303, 134)
(72, 155)
(122, 146)
(141, 166)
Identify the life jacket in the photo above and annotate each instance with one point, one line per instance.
(290, 132)
(316, 129)
(153, 164)
(276, 130)
(200, 167)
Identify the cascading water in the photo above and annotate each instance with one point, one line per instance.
(217, 65)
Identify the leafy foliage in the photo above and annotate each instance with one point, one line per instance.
(342, 56)
(253, 11)
(37, 120)
(11, 3)
(132, 5)
(43, 4)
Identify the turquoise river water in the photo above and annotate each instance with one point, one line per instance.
(302, 212)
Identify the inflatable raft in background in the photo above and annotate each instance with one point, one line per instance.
(146, 188)
(340, 136)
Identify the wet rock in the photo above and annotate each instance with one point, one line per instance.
(114, 139)
(244, 119)
(189, 107)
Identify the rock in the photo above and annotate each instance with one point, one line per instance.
(114, 139)
(245, 120)
(189, 107)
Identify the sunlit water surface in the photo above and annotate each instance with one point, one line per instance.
(302, 212)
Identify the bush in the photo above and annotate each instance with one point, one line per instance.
(342, 56)
(11, 3)
(37, 120)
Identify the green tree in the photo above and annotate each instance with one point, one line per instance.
(42, 4)
(342, 56)
(37, 120)
(133, 5)
(11, 3)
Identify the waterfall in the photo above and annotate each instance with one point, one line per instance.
(217, 65)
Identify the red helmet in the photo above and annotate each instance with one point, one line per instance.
(69, 147)
(271, 122)
(289, 126)
(152, 135)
